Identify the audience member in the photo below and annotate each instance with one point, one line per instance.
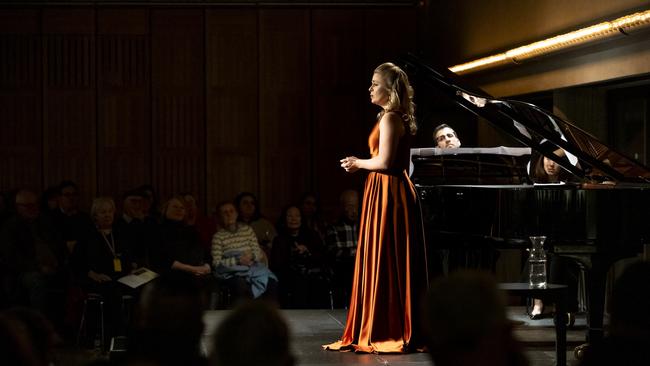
(107, 259)
(628, 340)
(150, 202)
(341, 241)
(466, 323)
(27, 338)
(33, 333)
(168, 324)
(311, 213)
(71, 223)
(136, 227)
(50, 199)
(297, 257)
(238, 259)
(180, 247)
(253, 334)
(32, 259)
(248, 210)
(206, 226)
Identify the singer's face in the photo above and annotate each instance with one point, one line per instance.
(378, 91)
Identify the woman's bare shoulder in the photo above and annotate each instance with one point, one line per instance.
(393, 119)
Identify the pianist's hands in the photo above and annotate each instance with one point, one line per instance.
(350, 164)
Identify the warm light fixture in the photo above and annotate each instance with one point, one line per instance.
(596, 32)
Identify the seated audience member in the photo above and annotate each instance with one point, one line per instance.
(32, 258)
(180, 246)
(71, 223)
(107, 259)
(248, 211)
(466, 323)
(150, 202)
(445, 137)
(311, 213)
(253, 334)
(136, 227)
(49, 200)
(341, 241)
(168, 323)
(237, 257)
(297, 257)
(628, 340)
(206, 226)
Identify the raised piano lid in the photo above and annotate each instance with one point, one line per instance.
(535, 127)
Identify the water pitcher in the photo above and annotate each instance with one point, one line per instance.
(537, 262)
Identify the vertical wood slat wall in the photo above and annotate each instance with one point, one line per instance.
(212, 101)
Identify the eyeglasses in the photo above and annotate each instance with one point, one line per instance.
(442, 137)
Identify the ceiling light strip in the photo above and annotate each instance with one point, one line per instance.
(582, 36)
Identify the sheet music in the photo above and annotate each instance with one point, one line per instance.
(138, 277)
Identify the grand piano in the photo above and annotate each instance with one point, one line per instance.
(485, 196)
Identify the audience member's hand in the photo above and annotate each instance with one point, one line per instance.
(301, 248)
(98, 277)
(202, 270)
(246, 258)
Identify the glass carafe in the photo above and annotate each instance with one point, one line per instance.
(537, 263)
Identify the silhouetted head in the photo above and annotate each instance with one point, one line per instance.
(253, 334)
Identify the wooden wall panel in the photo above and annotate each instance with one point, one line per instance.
(124, 105)
(340, 82)
(178, 100)
(285, 131)
(202, 99)
(232, 109)
(21, 161)
(69, 118)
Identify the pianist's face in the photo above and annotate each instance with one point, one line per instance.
(378, 92)
(447, 139)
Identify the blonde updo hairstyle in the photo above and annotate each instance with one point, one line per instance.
(400, 97)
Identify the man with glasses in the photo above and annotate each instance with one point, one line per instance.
(446, 137)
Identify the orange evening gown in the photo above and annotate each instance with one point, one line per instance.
(390, 274)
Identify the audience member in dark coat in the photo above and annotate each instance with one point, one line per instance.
(31, 259)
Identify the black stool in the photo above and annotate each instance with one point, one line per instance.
(98, 300)
(553, 293)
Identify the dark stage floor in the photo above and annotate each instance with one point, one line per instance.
(312, 328)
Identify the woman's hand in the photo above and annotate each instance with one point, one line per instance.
(350, 164)
(202, 270)
(98, 277)
(246, 258)
(301, 248)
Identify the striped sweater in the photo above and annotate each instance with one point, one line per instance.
(228, 245)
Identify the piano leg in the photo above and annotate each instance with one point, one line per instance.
(596, 279)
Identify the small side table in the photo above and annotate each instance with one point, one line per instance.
(553, 293)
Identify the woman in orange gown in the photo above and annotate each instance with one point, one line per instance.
(390, 274)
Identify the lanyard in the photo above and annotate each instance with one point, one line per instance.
(111, 244)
